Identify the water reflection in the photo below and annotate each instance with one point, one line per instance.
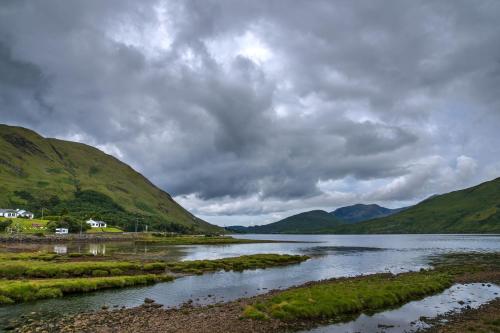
(60, 249)
(97, 249)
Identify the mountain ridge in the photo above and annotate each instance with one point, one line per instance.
(471, 210)
(363, 212)
(35, 170)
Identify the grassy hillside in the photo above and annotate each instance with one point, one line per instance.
(360, 212)
(316, 221)
(472, 210)
(67, 177)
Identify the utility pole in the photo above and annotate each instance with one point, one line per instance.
(42, 213)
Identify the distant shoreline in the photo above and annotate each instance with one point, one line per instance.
(130, 237)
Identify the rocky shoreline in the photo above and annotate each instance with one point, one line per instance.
(486, 318)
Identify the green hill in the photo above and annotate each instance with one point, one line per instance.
(360, 212)
(472, 210)
(71, 178)
(315, 221)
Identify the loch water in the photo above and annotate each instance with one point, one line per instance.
(331, 256)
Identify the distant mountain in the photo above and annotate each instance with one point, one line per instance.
(238, 229)
(360, 212)
(318, 221)
(64, 177)
(315, 221)
(472, 210)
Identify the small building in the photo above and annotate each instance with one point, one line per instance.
(61, 231)
(11, 213)
(37, 226)
(24, 213)
(96, 224)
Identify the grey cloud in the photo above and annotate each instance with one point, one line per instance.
(361, 91)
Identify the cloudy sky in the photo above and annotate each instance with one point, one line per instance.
(249, 111)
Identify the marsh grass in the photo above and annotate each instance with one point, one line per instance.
(236, 263)
(43, 269)
(28, 256)
(459, 263)
(332, 300)
(30, 276)
(23, 291)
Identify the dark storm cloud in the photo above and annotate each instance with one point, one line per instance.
(246, 107)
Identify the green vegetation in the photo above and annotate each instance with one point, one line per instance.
(44, 269)
(235, 264)
(348, 296)
(472, 210)
(5, 256)
(72, 179)
(28, 290)
(24, 225)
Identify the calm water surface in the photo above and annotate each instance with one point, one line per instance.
(332, 256)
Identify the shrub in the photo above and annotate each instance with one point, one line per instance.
(4, 224)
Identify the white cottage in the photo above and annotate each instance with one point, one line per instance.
(96, 224)
(24, 213)
(11, 213)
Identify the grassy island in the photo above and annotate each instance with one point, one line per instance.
(343, 297)
(235, 263)
(30, 276)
